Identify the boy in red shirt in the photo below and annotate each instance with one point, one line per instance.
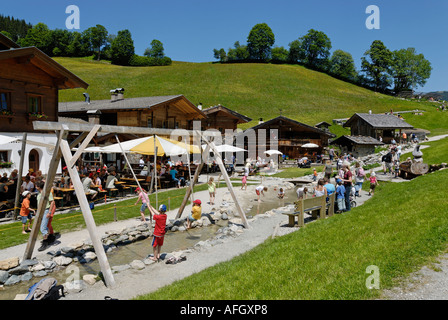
(159, 230)
(25, 211)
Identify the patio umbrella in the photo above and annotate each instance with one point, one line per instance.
(271, 152)
(226, 148)
(164, 147)
(310, 145)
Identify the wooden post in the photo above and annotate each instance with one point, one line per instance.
(19, 178)
(88, 217)
(190, 188)
(228, 182)
(301, 221)
(323, 209)
(51, 174)
(127, 161)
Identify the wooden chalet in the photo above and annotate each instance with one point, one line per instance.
(168, 112)
(292, 135)
(222, 118)
(29, 91)
(358, 146)
(376, 126)
(29, 85)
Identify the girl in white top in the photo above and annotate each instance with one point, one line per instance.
(259, 190)
(320, 190)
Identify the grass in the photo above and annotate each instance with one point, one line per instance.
(328, 259)
(295, 172)
(255, 90)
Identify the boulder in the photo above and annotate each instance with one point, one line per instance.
(89, 256)
(89, 279)
(19, 270)
(26, 277)
(9, 263)
(29, 262)
(41, 273)
(137, 265)
(4, 275)
(12, 280)
(62, 261)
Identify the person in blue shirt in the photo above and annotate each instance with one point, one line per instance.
(340, 196)
(330, 188)
(174, 173)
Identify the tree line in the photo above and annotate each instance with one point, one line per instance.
(382, 70)
(95, 41)
(14, 28)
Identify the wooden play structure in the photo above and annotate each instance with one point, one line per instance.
(62, 149)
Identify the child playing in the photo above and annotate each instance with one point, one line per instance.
(25, 211)
(373, 183)
(159, 230)
(259, 191)
(212, 190)
(142, 195)
(196, 212)
(397, 168)
(244, 181)
(314, 174)
(281, 193)
(340, 196)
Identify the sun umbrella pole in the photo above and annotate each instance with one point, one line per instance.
(127, 161)
(189, 170)
(155, 171)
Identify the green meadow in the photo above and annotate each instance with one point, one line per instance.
(331, 259)
(255, 90)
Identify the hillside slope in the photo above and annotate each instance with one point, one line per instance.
(255, 90)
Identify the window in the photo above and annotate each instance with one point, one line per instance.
(5, 101)
(149, 122)
(4, 156)
(34, 104)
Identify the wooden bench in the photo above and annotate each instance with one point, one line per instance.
(313, 205)
(307, 205)
(330, 204)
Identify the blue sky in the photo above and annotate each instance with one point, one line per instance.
(191, 29)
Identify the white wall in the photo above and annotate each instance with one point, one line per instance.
(13, 149)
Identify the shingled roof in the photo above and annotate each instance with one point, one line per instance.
(379, 121)
(357, 140)
(130, 104)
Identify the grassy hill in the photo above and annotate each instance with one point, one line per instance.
(255, 90)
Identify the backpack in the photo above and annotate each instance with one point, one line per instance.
(387, 158)
(361, 172)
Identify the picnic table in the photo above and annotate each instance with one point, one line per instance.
(66, 195)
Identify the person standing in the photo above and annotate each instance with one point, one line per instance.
(340, 195)
(212, 190)
(46, 222)
(359, 178)
(159, 230)
(25, 212)
(142, 195)
(347, 180)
